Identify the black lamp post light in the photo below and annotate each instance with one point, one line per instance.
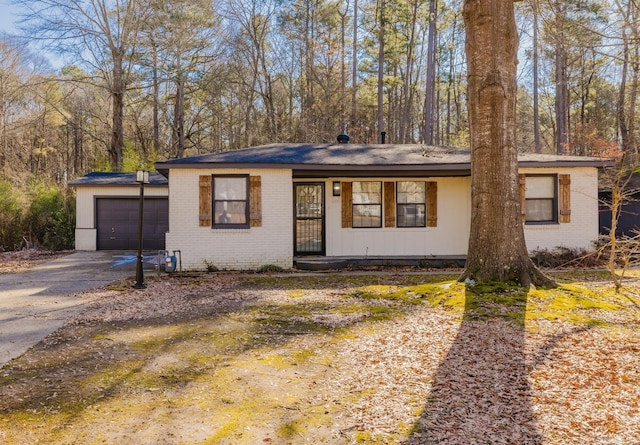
(142, 178)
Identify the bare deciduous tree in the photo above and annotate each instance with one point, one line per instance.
(101, 36)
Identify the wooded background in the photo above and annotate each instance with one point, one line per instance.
(142, 81)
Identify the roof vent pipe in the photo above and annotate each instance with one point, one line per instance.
(383, 137)
(343, 138)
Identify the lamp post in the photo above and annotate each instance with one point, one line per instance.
(142, 178)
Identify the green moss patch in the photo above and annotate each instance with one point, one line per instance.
(575, 304)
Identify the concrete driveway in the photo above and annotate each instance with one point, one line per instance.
(36, 302)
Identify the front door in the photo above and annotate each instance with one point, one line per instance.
(309, 218)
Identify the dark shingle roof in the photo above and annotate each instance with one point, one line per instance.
(354, 157)
(117, 179)
(335, 154)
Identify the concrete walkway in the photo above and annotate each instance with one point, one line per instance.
(36, 302)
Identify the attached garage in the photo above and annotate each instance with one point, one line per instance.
(117, 223)
(107, 211)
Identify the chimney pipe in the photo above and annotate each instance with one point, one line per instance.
(383, 137)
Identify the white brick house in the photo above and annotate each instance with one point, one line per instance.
(280, 204)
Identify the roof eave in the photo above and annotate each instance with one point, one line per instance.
(572, 163)
(128, 184)
(162, 167)
(463, 167)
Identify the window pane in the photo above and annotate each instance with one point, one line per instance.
(539, 210)
(230, 212)
(411, 192)
(411, 215)
(367, 192)
(230, 188)
(540, 186)
(367, 216)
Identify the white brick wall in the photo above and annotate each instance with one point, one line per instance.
(272, 243)
(449, 237)
(231, 249)
(582, 231)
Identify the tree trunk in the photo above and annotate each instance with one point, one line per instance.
(343, 67)
(429, 105)
(381, 74)
(562, 91)
(536, 105)
(117, 128)
(156, 101)
(633, 95)
(407, 86)
(177, 127)
(497, 249)
(354, 67)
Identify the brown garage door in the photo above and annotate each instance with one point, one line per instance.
(117, 223)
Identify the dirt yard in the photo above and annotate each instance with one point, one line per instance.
(335, 359)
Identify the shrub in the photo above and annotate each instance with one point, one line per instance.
(270, 268)
(11, 205)
(210, 266)
(50, 218)
(565, 257)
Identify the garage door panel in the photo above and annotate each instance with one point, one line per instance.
(117, 223)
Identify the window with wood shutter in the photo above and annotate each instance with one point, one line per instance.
(347, 202)
(432, 204)
(255, 201)
(389, 204)
(565, 198)
(205, 200)
(522, 181)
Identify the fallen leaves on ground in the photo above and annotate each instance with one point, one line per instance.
(21, 260)
(231, 360)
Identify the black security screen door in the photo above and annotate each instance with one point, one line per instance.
(309, 219)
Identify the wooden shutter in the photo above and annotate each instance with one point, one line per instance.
(523, 198)
(347, 204)
(389, 204)
(565, 198)
(205, 200)
(432, 204)
(255, 201)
